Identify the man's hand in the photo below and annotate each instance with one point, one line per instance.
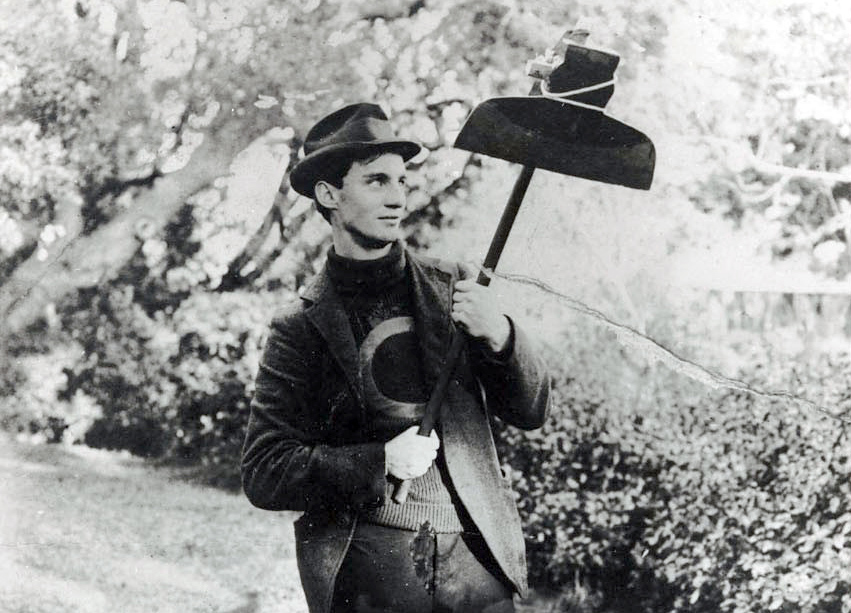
(410, 455)
(474, 309)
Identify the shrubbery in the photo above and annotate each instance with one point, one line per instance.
(162, 376)
(172, 385)
(35, 402)
(688, 501)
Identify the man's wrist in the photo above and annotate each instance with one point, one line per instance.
(501, 355)
(500, 342)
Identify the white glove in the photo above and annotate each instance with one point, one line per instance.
(410, 455)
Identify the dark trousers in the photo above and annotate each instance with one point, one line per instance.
(388, 570)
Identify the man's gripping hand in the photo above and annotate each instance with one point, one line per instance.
(409, 455)
(474, 309)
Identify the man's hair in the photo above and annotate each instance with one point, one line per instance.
(338, 165)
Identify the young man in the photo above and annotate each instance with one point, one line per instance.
(342, 385)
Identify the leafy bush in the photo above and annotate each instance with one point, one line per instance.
(175, 383)
(684, 499)
(34, 403)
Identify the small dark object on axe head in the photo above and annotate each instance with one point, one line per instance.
(571, 136)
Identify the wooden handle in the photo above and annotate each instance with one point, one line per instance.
(432, 409)
(401, 493)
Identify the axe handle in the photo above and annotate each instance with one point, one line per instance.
(432, 409)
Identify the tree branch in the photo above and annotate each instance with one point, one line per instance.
(825, 80)
(722, 146)
(79, 260)
(749, 196)
(115, 187)
(234, 278)
(789, 172)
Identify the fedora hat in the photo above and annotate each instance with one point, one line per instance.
(356, 127)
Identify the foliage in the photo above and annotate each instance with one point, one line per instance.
(790, 172)
(35, 403)
(172, 386)
(687, 500)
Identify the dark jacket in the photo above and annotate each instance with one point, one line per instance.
(300, 453)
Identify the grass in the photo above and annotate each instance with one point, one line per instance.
(95, 531)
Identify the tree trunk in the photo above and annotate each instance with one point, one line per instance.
(77, 260)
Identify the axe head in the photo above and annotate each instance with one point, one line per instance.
(578, 140)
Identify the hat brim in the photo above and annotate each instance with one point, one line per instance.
(308, 171)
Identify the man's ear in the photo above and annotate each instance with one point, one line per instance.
(326, 194)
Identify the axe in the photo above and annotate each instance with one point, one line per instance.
(560, 126)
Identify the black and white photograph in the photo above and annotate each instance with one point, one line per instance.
(425, 306)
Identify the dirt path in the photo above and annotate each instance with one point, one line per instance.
(93, 531)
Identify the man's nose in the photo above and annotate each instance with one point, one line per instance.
(396, 196)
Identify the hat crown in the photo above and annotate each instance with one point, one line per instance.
(357, 127)
(357, 123)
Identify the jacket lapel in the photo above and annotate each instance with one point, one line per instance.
(432, 295)
(327, 314)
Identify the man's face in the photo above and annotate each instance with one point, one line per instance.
(370, 205)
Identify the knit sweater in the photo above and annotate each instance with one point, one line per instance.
(376, 297)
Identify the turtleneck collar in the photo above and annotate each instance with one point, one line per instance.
(354, 276)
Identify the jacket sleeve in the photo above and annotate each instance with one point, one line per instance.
(285, 462)
(516, 384)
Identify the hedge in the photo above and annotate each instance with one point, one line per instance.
(171, 384)
(673, 497)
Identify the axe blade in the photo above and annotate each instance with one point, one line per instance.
(560, 137)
